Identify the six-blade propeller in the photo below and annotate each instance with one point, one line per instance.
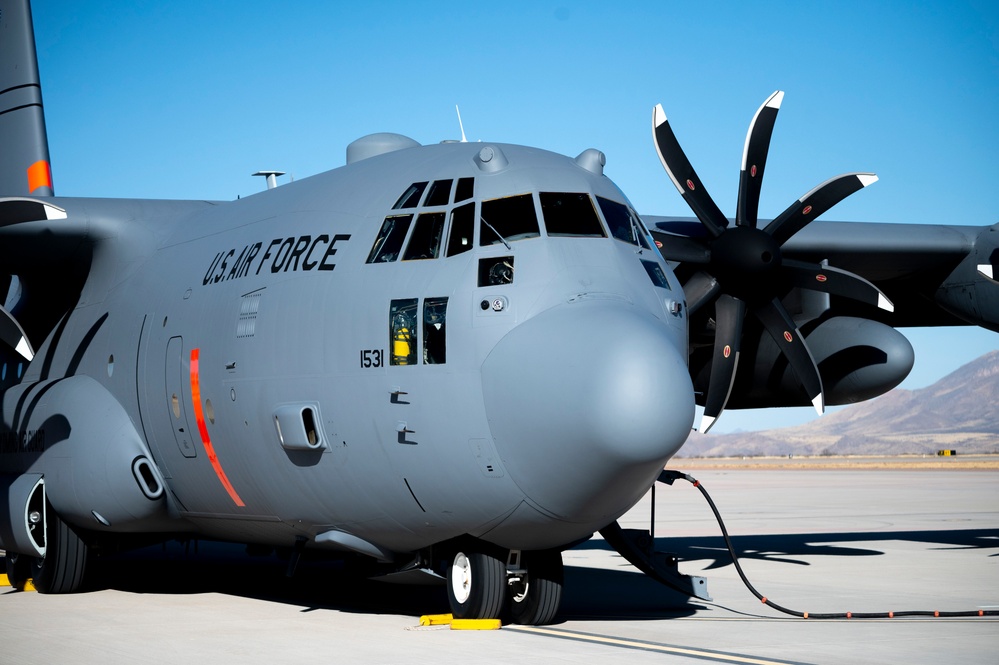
(741, 266)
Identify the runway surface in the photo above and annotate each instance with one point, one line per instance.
(813, 540)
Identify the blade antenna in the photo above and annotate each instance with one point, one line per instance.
(460, 125)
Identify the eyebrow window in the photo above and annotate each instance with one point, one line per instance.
(439, 194)
(465, 189)
(425, 243)
(388, 244)
(508, 219)
(411, 197)
(570, 215)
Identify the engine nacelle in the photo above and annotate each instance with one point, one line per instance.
(857, 358)
(97, 471)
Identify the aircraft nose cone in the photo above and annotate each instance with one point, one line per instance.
(586, 402)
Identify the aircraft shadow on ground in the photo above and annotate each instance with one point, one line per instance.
(790, 548)
(608, 594)
(591, 593)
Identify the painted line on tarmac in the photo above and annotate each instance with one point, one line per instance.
(704, 654)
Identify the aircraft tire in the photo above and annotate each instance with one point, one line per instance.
(18, 570)
(61, 569)
(476, 585)
(535, 600)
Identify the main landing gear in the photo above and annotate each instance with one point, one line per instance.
(61, 569)
(525, 588)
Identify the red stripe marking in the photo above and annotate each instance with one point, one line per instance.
(199, 416)
(39, 175)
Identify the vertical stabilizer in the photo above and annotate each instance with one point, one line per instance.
(24, 147)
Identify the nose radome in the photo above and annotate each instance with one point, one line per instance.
(586, 402)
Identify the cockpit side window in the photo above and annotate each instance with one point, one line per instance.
(411, 197)
(462, 227)
(439, 194)
(388, 244)
(623, 222)
(570, 215)
(508, 219)
(425, 243)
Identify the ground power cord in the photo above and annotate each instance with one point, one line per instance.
(669, 476)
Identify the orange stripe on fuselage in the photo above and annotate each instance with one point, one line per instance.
(39, 175)
(199, 416)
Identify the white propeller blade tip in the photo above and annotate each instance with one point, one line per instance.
(706, 423)
(24, 349)
(819, 403)
(658, 115)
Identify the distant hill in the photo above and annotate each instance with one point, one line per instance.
(960, 412)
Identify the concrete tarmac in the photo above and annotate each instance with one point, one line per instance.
(812, 540)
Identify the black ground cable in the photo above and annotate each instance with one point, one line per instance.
(669, 475)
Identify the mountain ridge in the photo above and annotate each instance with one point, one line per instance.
(957, 412)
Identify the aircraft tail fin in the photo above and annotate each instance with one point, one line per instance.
(24, 147)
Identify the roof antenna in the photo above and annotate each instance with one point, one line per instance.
(271, 177)
(463, 139)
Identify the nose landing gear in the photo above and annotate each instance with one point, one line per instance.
(525, 589)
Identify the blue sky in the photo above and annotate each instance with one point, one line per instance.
(185, 99)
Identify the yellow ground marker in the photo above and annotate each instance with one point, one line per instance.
(476, 624)
(460, 624)
(29, 585)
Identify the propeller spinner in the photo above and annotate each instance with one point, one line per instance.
(741, 266)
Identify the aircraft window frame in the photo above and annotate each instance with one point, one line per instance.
(403, 335)
(569, 215)
(425, 239)
(458, 241)
(508, 219)
(496, 271)
(411, 197)
(435, 331)
(656, 274)
(623, 222)
(391, 238)
(464, 190)
(439, 193)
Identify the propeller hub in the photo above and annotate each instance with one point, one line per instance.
(745, 260)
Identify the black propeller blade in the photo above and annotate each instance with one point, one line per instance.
(754, 160)
(741, 266)
(816, 202)
(785, 332)
(683, 175)
(729, 314)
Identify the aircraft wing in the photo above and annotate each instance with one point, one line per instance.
(50, 245)
(934, 275)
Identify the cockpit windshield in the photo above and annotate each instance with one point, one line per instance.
(568, 214)
(508, 219)
(623, 222)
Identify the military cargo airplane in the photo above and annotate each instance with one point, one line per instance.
(452, 361)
